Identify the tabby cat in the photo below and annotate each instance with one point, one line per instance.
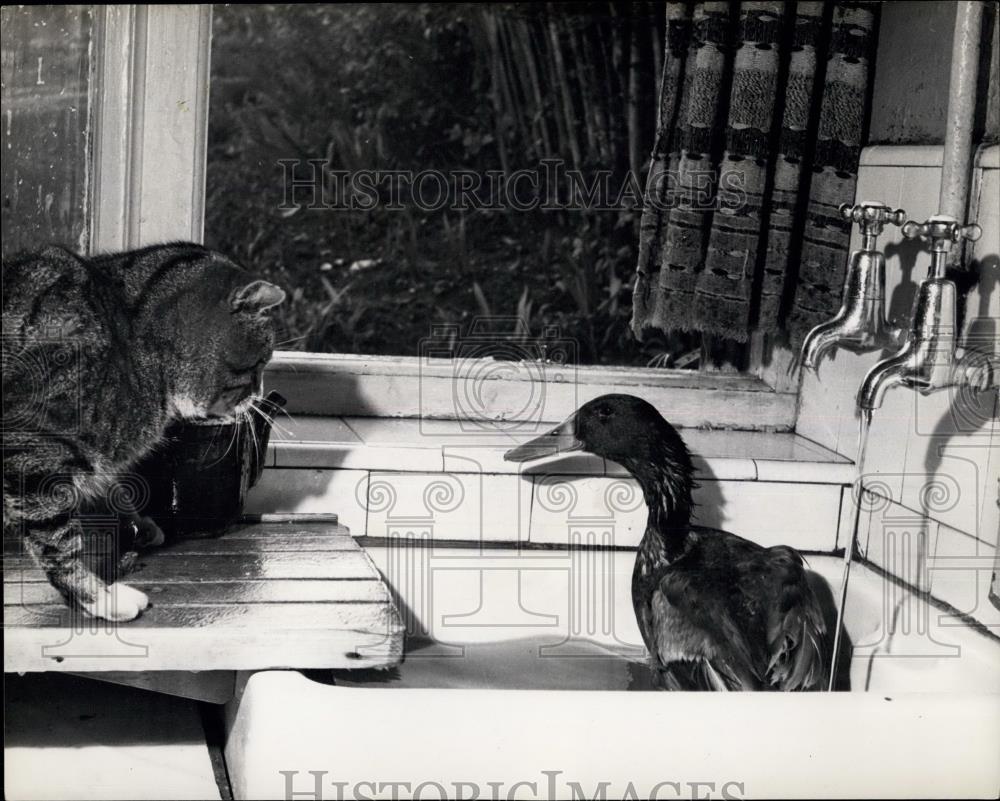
(99, 354)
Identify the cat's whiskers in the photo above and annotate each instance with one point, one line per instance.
(289, 341)
(232, 440)
(289, 416)
(245, 416)
(267, 418)
(275, 426)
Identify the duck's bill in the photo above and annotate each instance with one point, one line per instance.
(560, 439)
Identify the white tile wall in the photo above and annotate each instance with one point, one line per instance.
(932, 557)
(961, 568)
(569, 509)
(921, 446)
(341, 492)
(449, 506)
(389, 477)
(543, 509)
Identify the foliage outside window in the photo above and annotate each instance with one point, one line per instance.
(445, 88)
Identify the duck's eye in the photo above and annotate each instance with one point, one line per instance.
(604, 412)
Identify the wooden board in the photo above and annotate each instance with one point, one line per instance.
(266, 595)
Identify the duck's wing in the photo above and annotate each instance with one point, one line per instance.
(796, 631)
(696, 639)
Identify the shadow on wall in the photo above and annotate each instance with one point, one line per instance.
(970, 411)
(311, 490)
(710, 504)
(899, 312)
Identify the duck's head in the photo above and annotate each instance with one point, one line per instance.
(622, 428)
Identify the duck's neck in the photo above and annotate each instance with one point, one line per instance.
(666, 486)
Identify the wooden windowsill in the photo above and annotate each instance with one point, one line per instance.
(487, 390)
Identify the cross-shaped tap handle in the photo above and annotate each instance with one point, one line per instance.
(872, 216)
(941, 231)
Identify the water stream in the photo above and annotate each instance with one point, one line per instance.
(866, 420)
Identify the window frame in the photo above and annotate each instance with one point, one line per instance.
(151, 124)
(149, 164)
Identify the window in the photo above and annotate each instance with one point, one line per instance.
(451, 292)
(47, 125)
(419, 172)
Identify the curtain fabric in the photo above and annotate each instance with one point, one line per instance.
(763, 106)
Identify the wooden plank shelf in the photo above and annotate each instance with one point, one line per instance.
(262, 595)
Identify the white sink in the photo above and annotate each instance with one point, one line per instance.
(928, 725)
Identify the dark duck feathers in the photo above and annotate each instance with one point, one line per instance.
(716, 611)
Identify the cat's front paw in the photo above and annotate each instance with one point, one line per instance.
(119, 603)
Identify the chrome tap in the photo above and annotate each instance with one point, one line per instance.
(926, 362)
(860, 325)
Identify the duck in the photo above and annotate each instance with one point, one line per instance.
(716, 611)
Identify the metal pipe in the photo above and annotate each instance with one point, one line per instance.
(957, 165)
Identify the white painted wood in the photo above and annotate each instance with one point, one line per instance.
(151, 124)
(520, 372)
(170, 192)
(901, 156)
(212, 608)
(988, 158)
(412, 387)
(770, 362)
(353, 636)
(118, 71)
(422, 445)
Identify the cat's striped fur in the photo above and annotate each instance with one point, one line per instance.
(99, 354)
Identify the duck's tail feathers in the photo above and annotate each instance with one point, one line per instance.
(796, 641)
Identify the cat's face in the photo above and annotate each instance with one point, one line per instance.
(227, 339)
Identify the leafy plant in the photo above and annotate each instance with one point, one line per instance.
(430, 86)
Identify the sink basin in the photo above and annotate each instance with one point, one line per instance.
(471, 711)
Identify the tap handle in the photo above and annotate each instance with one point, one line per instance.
(872, 216)
(941, 231)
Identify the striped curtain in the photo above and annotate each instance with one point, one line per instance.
(763, 110)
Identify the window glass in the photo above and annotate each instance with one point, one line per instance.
(46, 125)
(415, 172)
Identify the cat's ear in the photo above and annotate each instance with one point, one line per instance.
(257, 297)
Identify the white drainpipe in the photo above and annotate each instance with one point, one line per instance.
(957, 168)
